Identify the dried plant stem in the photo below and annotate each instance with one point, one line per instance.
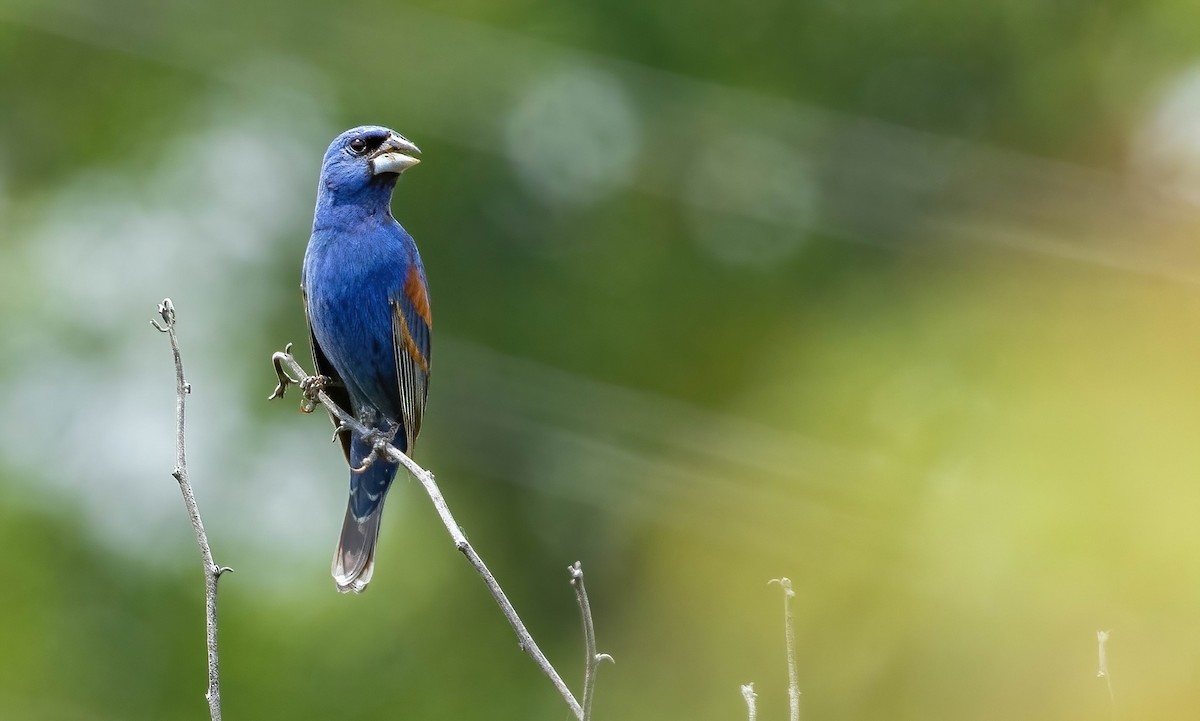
(1102, 670)
(383, 448)
(790, 632)
(212, 572)
(751, 702)
(592, 659)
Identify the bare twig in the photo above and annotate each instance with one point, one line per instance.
(314, 391)
(1102, 669)
(751, 702)
(592, 658)
(212, 572)
(789, 630)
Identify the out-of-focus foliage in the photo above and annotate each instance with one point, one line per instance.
(897, 298)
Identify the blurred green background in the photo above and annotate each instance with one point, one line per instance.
(897, 298)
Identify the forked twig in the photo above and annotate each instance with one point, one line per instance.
(212, 572)
(592, 658)
(751, 702)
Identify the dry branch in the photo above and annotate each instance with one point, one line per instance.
(313, 389)
(212, 572)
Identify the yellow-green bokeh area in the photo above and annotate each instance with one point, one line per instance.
(1026, 432)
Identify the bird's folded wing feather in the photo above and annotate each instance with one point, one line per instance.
(411, 330)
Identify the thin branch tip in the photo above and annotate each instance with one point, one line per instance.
(285, 380)
(751, 699)
(592, 658)
(166, 311)
(789, 630)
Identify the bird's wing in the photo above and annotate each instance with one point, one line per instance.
(336, 388)
(411, 330)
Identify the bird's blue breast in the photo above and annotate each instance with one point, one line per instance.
(350, 275)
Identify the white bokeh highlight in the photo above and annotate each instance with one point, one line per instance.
(1165, 150)
(91, 385)
(573, 137)
(752, 199)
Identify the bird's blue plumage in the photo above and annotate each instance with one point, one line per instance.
(367, 303)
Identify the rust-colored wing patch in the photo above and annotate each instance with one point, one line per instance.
(418, 295)
(406, 339)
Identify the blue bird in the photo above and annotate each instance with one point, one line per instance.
(367, 304)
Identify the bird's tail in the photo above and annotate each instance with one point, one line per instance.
(354, 560)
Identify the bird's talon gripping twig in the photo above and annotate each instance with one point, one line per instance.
(371, 458)
(311, 387)
(341, 428)
(382, 441)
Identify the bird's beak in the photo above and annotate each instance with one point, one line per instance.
(394, 156)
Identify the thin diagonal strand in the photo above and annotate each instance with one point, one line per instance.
(524, 638)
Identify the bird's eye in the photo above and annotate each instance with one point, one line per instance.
(358, 146)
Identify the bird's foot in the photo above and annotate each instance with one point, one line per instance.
(380, 442)
(366, 463)
(311, 388)
(390, 435)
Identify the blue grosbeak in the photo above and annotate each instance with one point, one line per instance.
(367, 304)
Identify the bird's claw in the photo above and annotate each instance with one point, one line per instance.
(371, 458)
(311, 388)
(380, 442)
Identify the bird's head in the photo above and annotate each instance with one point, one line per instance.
(365, 159)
